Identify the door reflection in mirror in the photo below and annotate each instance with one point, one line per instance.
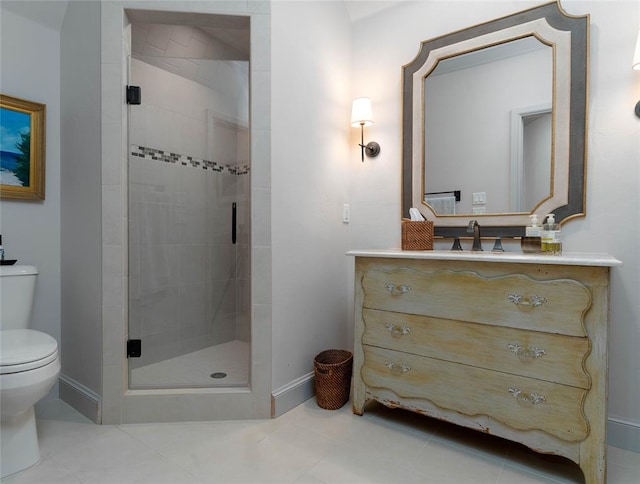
(531, 157)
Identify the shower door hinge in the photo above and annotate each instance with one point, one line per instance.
(134, 95)
(134, 348)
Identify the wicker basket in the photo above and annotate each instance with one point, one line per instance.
(332, 369)
(417, 235)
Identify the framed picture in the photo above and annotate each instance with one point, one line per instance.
(22, 148)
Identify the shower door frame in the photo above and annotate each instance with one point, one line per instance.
(118, 404)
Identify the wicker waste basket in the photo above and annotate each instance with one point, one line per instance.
(332, 369)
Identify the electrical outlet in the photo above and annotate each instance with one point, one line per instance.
(346, 213)
(477, 210)
(479, 198)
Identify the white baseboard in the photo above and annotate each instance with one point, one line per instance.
(292, 394)
(83, 399)
(624, 435)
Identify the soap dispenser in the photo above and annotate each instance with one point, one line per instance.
(532, 240)
(551, 243)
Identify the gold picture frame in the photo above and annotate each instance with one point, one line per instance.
(22, 148)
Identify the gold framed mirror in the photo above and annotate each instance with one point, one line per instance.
(495, 121)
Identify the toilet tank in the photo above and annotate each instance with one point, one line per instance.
(17, 288)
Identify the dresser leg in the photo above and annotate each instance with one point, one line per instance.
(593, 464)
(358, 397)
(358, 410)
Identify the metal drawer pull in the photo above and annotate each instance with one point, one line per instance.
(531, 301)
(531, 352)
(397, 330)
(397, 367)
(527, 398)
(393, 289)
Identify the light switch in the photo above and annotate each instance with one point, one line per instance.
(346, 213)
(479, 198)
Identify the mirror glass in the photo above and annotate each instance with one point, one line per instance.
(477, 107)
(494, 121)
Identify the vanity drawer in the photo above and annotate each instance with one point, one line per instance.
(551, 357)
(521, 403)
(514, 300)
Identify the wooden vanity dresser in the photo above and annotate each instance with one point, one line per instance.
(514, 345)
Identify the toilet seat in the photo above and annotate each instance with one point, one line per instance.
(25, 349)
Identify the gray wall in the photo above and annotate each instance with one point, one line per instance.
(311, 104)
(30, 69)
(81, 201)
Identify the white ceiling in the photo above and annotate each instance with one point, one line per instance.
(359, 9)
(50, 13)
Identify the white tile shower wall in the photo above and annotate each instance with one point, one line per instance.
(178, 123)
(186, 286)
(158, 122)
(187, 283)
(243, 271)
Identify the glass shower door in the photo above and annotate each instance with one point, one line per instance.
(189, 231)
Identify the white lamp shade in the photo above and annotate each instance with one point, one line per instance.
(636, 56)
(361, 112)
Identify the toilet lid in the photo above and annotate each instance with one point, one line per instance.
(25, 349)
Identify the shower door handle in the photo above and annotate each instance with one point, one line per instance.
(233, 222)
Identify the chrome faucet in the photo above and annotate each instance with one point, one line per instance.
(474, 228)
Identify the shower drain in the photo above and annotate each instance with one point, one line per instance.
(218, 374)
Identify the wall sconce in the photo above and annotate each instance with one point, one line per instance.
(362, 115)
(636, 66)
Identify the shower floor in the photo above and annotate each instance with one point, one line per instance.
(195, 369)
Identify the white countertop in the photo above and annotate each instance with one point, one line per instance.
(568, 258)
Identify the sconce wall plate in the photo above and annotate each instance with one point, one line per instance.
(373, 148)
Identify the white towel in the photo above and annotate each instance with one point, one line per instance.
(442, 205)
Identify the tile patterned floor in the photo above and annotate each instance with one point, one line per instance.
(306, 445)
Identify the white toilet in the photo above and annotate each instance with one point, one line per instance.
(29, 367)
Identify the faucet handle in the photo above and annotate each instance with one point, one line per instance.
(497, 245)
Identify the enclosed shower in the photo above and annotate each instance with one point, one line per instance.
(189, 166)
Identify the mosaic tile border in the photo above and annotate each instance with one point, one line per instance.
(189, 161)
